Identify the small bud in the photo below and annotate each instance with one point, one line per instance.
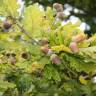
(7, 24)
(73, 47)
(61, 15)
(45, 49)
(55, 59)
(58, 7)
(79, 38)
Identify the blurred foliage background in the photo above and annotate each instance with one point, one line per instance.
(88, 6)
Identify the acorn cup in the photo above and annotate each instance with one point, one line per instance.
(58, 7)
(73, 47)
(8, 55)
(55, 59)
(79, 38)
(61, 16)
(25, 55)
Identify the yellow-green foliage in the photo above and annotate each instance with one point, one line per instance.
(27, 71)
(9, 7)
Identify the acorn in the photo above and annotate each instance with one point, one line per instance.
(44, 41)
(58, 7)
(45, 49)
(79, 38)
(73, 47)
(61, 15)
(55, 59)
(13, 60)
(7, 24)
